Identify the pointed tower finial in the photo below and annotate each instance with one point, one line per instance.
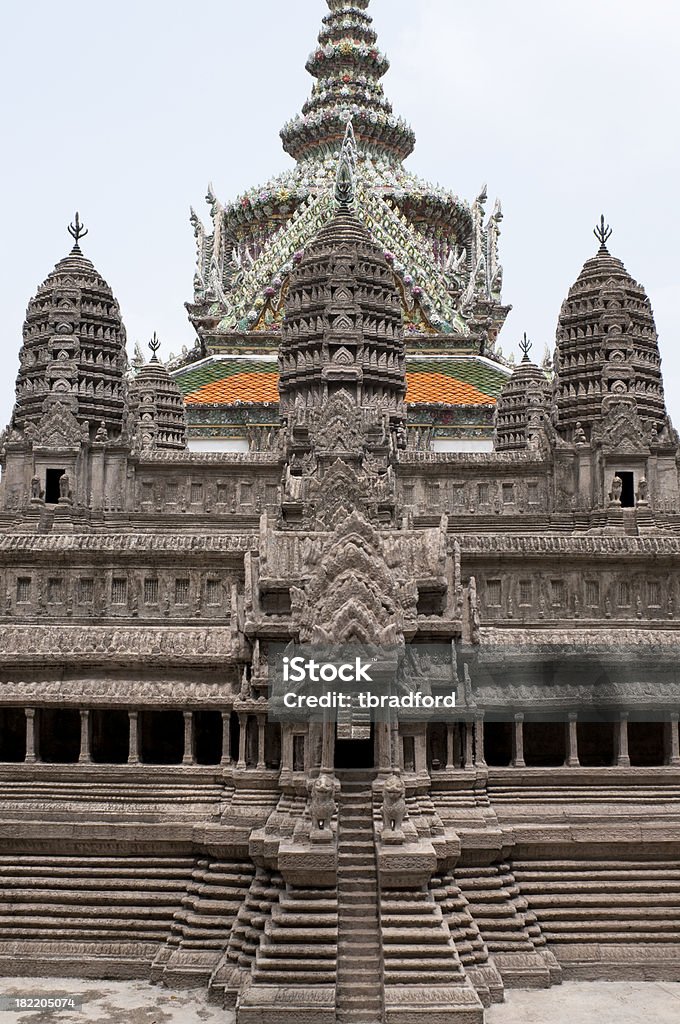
(525, 347)
(77, 231)
(345, 181)
(603, 233)
(154, 345)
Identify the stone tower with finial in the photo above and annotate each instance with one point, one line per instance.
(73, 351)
(607, 347)
(157, 409)
(525, 397)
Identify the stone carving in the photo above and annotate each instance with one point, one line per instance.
(322, 805)
(394, 805)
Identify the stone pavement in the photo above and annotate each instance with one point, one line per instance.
(113, 1002)
(134, 1002)
(591, 1002)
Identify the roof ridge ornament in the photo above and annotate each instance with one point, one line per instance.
(525, 347)
(154, 345)
(77, 231)
(345, 181)
(603, 233)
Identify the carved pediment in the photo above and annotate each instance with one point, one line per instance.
(622, 431)
(58, 428)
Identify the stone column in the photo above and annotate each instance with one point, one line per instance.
(518, 742)
(469, 745)
(188, 757)
(421, 750)
(479, 741)
(84, 737)
(450, 763)
(133, 748)
(572, 741)
(328, 744)
(242, 730)
(226, 738)
(30, 735)
(261, 722)
(383, 745)
(622, 758)
(673, 753)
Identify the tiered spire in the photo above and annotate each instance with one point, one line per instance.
(348, 66)
(73, 352)
(607, 346)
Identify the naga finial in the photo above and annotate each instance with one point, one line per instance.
(603, 233)
(345, 182)
(154, 345)
(525, 347)
(77, 231)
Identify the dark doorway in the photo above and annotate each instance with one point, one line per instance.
(12, 734)
(646, 745)
(58, 735)
(628, 492)
(436, 746)
(355, 753)
(162, 737)
(498, 743)
(545, 744)
(110, 736)
(52, 478)
(595, 744)
(208, 737)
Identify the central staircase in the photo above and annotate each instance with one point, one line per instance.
(359, 965)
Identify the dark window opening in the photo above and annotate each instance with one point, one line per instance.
(628, 491)
(498, 743)
(162, 737)
(298, 753)
(436, 746)
(109, 736)
(595, 744)
(208, 737)
(234, 735)
(58, 733)
(272, 745)
(545, 744)
(409, 753)
(52, 478)
(12, 734)
(646, 747)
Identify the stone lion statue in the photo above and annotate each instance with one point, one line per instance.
(322, 801)
(394, 804)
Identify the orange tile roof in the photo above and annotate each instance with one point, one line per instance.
(238, 387)
(431, 388)
(424, 387)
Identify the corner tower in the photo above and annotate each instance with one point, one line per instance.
(607, 347)
(73, 351)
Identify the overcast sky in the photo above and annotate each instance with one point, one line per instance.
(127, 110)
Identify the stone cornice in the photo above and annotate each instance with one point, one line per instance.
(502, 544)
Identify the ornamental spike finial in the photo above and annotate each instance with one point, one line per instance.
(525, 347)
(77, 231)
(603, 233)
(345, 181)
(154, 345)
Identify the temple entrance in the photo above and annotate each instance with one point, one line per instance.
(356, 753)
(628, 490)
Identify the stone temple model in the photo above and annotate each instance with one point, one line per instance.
(157, 819)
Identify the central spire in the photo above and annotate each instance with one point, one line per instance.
(347, 66)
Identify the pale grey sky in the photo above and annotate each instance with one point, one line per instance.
(127, 110)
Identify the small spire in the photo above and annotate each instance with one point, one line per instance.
(525, 347)
(77, 231)
(345, 182)
(154, 345)
(603, 233)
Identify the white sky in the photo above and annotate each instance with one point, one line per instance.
(127, 110)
